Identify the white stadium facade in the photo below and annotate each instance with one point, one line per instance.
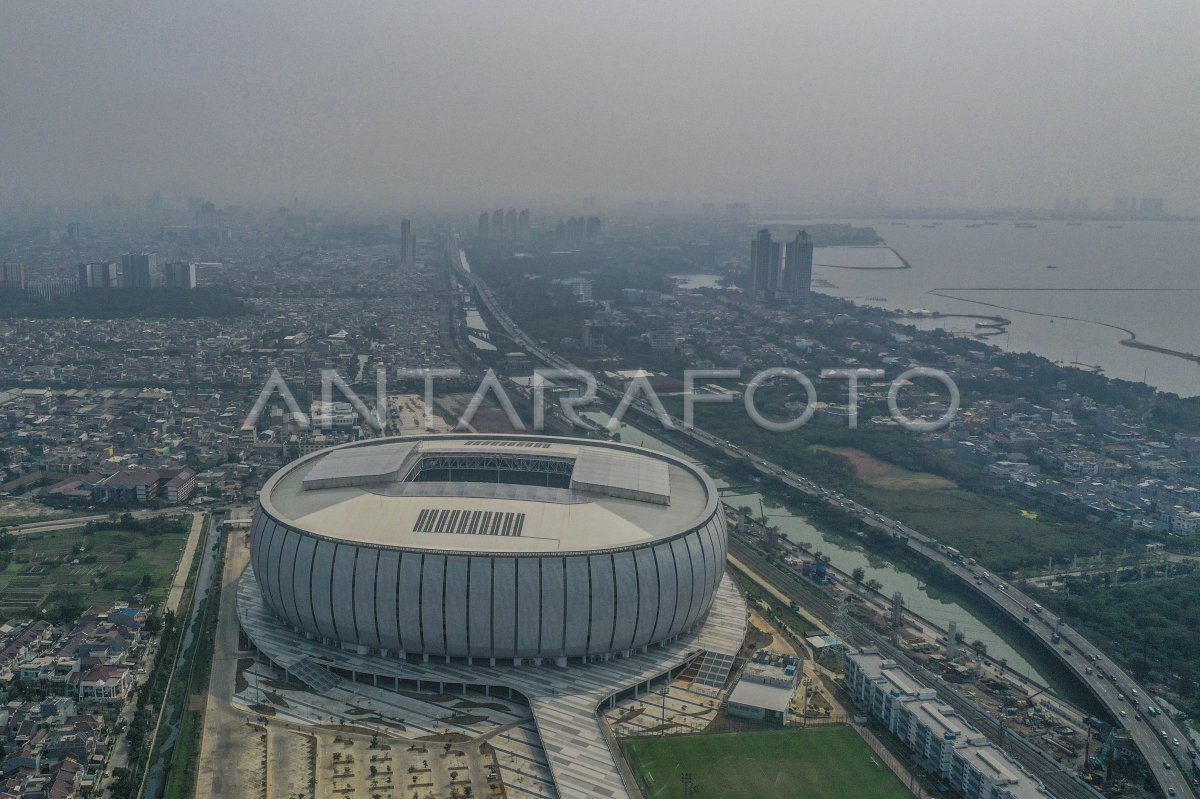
(565, 571)
(513, 549)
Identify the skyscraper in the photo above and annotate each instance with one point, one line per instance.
(483, 225)
(179, 275)
(137, 269)
(523, 224)
(797, 272)
(781, 272)
(498, 223)
(98, 275)
(764, 253)
(408, 244)
(12, 276)
(510, 223)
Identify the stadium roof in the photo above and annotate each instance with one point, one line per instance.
(597, 496)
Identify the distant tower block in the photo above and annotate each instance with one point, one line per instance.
(952, 641)
(408, 244)
(897, 609)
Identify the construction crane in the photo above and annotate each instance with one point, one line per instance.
(1100, 759)
(1027, 702)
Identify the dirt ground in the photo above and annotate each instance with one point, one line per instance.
(778, 645)
(878, 474)
(22, 510)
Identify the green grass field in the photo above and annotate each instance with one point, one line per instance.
(817, 763)
(109, 567)
(990, 528)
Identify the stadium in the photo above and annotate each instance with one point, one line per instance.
(557, 573)
(489, 549)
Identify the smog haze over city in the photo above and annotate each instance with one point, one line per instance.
(599, 400)
(786, 104)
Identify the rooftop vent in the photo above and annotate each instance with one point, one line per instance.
(469, 522)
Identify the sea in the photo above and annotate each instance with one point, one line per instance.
(1071, 290)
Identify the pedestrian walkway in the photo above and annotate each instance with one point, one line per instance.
(184, 568)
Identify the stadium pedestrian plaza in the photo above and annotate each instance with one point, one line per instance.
(562, 702)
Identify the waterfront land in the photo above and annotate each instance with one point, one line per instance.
(1045, 468)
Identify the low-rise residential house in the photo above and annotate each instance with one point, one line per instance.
(106, 683)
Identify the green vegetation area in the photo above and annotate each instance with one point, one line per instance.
(929, 489)
(125, 303)
(841, 235)
(187, 695)
(1153, 632)
(65, 571)
(168, 699)
(819, 763)
(547, 310)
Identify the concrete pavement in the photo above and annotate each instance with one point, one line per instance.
(184, 567)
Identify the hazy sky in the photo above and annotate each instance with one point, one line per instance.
(801, 102)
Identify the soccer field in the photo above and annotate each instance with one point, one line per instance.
(817, 763)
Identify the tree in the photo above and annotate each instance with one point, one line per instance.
(65, 607)
(771, 539)
(858, 574)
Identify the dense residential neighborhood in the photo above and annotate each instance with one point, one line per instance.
(66, 686)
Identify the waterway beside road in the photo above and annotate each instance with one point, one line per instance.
(938, 607)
